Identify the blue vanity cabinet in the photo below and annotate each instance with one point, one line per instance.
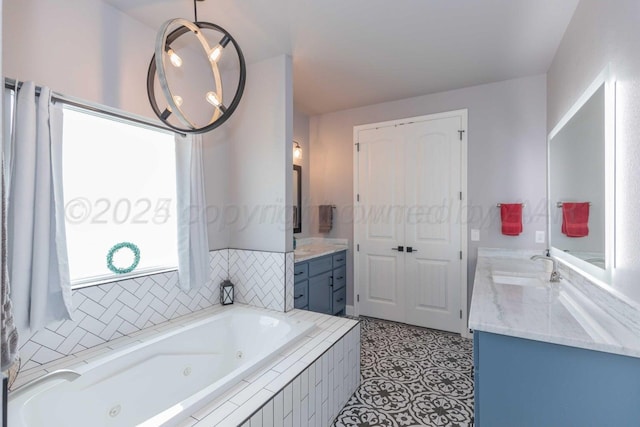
(521, 382)
(320, 284)
(301, 286)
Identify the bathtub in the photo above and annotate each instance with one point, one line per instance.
(163, 380)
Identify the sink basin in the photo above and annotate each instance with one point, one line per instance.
(517, 280)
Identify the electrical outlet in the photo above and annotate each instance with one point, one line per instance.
(475, 235)
(539, 236)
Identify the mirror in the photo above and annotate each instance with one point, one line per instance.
(297, 199)
(580, 177)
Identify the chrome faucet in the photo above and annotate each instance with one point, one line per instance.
(555, 276)
(65, 374)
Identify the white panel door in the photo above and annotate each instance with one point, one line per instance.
(409, 183)
(432, 223)
(379, 222)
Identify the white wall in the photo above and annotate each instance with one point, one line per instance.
(82, 48)
(602, 33)
(248, 164)
(301, 134)
(506, 148)
(92, 51)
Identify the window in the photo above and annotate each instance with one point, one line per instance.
(119, 182)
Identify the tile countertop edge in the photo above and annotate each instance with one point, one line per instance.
(487, 294)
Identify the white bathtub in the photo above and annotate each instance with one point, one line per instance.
(163, 380)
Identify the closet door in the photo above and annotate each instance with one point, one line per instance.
(378, 220)
(408, 221)
(432, 223)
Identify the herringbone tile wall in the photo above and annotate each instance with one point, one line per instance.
(289, 279)
(259, 278)
(106, 312)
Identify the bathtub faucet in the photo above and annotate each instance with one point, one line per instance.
(555, 276)
(65, 374)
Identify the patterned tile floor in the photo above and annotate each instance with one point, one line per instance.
(411, 376)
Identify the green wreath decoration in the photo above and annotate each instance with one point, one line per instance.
(115, 248)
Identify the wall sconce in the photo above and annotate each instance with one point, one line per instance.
(166, 61)
(297, 151)
(226, 292)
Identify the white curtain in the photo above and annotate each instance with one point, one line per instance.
(193, 244)
(38, 265)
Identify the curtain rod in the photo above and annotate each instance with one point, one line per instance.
(96, 108)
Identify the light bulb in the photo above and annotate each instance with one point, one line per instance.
(174, 58)
(178, 101)
(212, 99)
(297, 152)
(215, 53)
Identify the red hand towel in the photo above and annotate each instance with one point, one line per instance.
(511, 215)
(575, 219)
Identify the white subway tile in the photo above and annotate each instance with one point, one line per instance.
(297, 397)
(253, 388)
(288, 421)
(304, 383)
(216, 417)
(288, 399)
(325, 414)
(304, 411)
(256, 419)
(267, 414)
(278, 409)
(318, 404)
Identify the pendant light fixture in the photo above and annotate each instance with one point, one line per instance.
(215, 44)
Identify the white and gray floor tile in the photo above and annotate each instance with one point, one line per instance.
(411, 376)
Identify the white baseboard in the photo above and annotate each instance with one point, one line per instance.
(349, 310)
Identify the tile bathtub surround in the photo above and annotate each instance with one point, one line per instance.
(307, 384)
(107, 312)
(260, 278)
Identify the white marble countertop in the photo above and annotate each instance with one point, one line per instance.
(316, 247)
(557, 313)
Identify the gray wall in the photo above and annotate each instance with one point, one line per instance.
(602, 33)
(82, 48)
(248, 164)
(506, 149)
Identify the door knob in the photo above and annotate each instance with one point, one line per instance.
(410, 249)
(399, 249)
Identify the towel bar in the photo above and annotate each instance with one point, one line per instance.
(559, 204)
(523, 204)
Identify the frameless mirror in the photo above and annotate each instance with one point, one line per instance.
(297, 199)
(580, 179)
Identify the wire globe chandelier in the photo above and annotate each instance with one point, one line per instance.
(215, 43)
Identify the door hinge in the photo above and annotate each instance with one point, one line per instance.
(358, 197)
(461, 314)
(358, 298)
(461, 195)
(357, 146)
(460, 254)
(358, 247)
(460, 132)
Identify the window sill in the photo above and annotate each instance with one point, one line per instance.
(103, 280)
